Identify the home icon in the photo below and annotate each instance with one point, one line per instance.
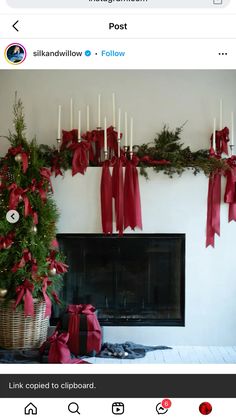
(30, 409)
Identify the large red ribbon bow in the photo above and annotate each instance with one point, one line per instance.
(26, 257)
(25, 291)
(6, 241)
(68, 137)
(222, 139)
(80, 157)
(53, 263)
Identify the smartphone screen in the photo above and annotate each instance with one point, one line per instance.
(117, 208)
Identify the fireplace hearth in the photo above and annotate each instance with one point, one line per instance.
(137, 279)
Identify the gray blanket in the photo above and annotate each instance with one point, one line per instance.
(127, 350)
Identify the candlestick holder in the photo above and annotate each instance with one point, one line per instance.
(79, 140)
(99, 128)
(58, 144)
(231, 148)
(105, 155)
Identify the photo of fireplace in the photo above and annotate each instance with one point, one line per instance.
(136, 280)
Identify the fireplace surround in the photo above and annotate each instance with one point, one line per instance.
(137, 279)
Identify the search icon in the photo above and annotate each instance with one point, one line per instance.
(73, 408)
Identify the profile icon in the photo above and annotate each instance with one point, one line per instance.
(15, 54)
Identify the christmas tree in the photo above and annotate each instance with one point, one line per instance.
(31, 265)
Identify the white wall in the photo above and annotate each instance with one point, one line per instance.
(169, 206)
(177, 205)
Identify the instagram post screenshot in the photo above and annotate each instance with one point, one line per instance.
(118, 209)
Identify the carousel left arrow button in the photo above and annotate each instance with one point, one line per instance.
(12, 216)
(14, 25)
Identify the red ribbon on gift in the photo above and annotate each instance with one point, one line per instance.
(132, 201)
(213, 208)
(106, 198)
(19, 150)
(94, 340)
(59, 266)
(59, 352)
(25, 291)
(80, 157)
(46, 297)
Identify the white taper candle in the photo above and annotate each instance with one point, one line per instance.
(232, 129)
(59, 123)
(214, 135)
(131, 134)
(113, 110)
(105, 134)
(221, 114)
(79, 125)
(126, 130)
(119, 119)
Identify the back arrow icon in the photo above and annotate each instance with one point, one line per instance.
(14, 26)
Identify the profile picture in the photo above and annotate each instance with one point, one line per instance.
(15, 54)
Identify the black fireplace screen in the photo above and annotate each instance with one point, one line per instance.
(137, 279)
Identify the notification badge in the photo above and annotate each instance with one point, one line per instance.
(205, 408)
(163, 406)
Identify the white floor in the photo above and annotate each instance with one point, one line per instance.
(180, 355)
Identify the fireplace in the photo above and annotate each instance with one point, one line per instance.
(137, 279)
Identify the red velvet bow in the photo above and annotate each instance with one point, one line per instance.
(222, 139)
(81, 309)
(25, 290)
(38, 187)
(59, 352)
(106, 198)
(17, 193)
(6, 241)
(26, 257)
(98, 139)
(88, 136)
(46, 297)
(132, 201)
(68, 137)
(80, 158)
(59, 266)
(112, 139)
(19, 150)
(213, 208)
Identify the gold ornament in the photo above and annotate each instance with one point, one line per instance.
(34, 229)
(18, 158)
(3, 292)
(52, 272)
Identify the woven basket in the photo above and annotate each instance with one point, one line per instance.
(20, 332)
